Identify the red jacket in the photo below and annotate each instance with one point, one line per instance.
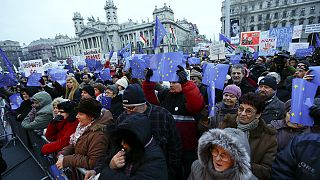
(59, 135)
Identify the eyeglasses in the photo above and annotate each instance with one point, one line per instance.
(248, 111)
(224, 157)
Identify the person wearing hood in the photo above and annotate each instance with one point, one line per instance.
(61, 127)
(88, 143)
(222, 154)
(41, 112)
(138, 155)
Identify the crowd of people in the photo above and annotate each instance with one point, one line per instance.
(153, 130)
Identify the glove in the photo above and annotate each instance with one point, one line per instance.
(182, 74)
(148, 73)
(315, 113)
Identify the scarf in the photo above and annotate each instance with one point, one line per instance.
(79, 131)
(32, 114)
(247, 127)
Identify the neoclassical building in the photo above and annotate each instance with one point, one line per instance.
(13, 52)
(97, 38)
(262, 15)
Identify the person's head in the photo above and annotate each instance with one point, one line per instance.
(302, 68)
(122, 84)
(237, 73)
(225, 149)
(66, 109)
(99, 88)
(267, 87)
(175, 87)
(196, 77)
(231, 95)
(293, 62)
(71, 83)
(111, 91)
(40, 99)
(88, 110)
(260, 60)
(27, 93)
(250, 108)
(133, 99)
(235, 28)
(86, 78)
(86, 70)
(87, 92)
(55, 103)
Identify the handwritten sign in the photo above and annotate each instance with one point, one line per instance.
(32, 66)
(267, 46)
(283, 35)
(294, 46)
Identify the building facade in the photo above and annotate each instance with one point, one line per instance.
(12, 50)
(41, 49)
(97, 38)
(262, 15)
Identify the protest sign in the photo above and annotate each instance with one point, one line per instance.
(32, 66)
(294, 46)
(297, 30)
(312, 28)
(250, 38)
(267, 46)
(283, 35)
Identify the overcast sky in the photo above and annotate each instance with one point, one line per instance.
(28, 20)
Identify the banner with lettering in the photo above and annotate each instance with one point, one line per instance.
(294, 46)
(297, 30)
(267, 46)
(32, 66)
(251, 38)
(283, 35)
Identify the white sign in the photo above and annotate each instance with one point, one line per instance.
(267, 46)
(312, 28)
(114, 58)
(264, 34)
(297, 30)
(32, 66)
(294, 46)
(235, 40)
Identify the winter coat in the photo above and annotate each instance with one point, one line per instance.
(44, 113)
(263, 144)
(232, 140)
(59, 134)
(90, 147)
(182, 106)
(23, 110)
(220, 112)
(274, 110)
(151, 164)
(243, 85)
(116, 106)
(83, 84)
(76, 96)
(300, 159)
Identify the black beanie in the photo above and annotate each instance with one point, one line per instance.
(133, 96)
(269, 81)
(67, 106)
(90, 107)
(90, 90)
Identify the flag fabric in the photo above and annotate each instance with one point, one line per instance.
(15, 101)
(127, 63)
(140, 50)
(224, 38)
(138, 65)
(215, 73)
(211, 98)
(90, 63)
(255, 55)
(110, 54)
(33, 79)
(194, 60)
(315, 70)
(7, 63)
(105, 101)
(143, 40)
(105, 74)
(126, 51)
(235, 59)
(300, 53)
(7, 80)
(317, 40)
(159, 33)
(303, 93)
(80, 67)
(59, 75)
(229, 47)
(174, 36)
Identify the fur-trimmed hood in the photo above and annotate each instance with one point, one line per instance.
(232, 140)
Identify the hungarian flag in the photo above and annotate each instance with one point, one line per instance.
(173, 35)
(143, 41)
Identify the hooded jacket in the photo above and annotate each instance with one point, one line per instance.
(44, 113)
(232, 140)
(151, 164)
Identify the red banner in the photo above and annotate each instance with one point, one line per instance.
(251, 38)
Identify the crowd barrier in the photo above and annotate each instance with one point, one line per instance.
(33, 140)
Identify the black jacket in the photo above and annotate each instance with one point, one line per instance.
(116, 106)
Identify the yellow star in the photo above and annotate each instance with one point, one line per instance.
(167, 74)
(300, 113)
(292, 114)
(295, 86)
(303, 89)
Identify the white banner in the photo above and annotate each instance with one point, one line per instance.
(235, 40)
(312, 28)
(267, 46)
(32, 66)
(297, 30)
(114, 58)
(217, 51)
(294, 46)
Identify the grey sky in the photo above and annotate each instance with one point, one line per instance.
(28, 20)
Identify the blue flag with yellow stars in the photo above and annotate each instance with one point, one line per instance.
(315, 71)
(138, 65)
(105, 101)
(194, 60)
(159, 33)
(105, 74)
(215, 73)
(211, 98)
(7, 80)
(235, 59)
(126, 51)
(59, 75)
(15, 101)
(33, 79)
(303, 93)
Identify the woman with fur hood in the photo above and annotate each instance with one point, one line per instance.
(222, 154)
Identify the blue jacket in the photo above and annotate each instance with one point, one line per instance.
(300, 159)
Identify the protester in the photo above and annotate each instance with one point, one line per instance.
(262, 139)
(116, 102)
(86, 81)
(87, 92)
(122, 84)
(88, 144)
(238, 78)
(274, 108)
(72, 90)
(99, 89)
(222, 154)
(228, 105)
(138, 155)
(183, 100)
(41, 112)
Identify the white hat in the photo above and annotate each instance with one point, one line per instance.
(122, 82)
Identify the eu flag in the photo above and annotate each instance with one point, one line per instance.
(211, 98)
(168, 65)
(33, 79)
(15, 101)
(110, 54)
(7, 63)
(59, 75)
(194, 60)
(91, 63)
(105, 101)
(138, 65)
(105, 74)
(235, 59)
(215, 73)
(7, 80)
(224, 38)
(303, 93)
(153, 64)
(126, 51)
(140, 50)
(159, 33)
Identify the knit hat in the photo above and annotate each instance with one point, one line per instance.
(113, 88)
(133, 96)
(67, 106)
(122, 82)
(89, 106)
(195, 73)
(233, 89)
(269, 81)
(90, 90)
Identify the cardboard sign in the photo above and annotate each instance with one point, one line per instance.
(32, 66)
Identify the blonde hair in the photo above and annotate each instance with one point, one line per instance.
(73, 89)
(57, 101)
